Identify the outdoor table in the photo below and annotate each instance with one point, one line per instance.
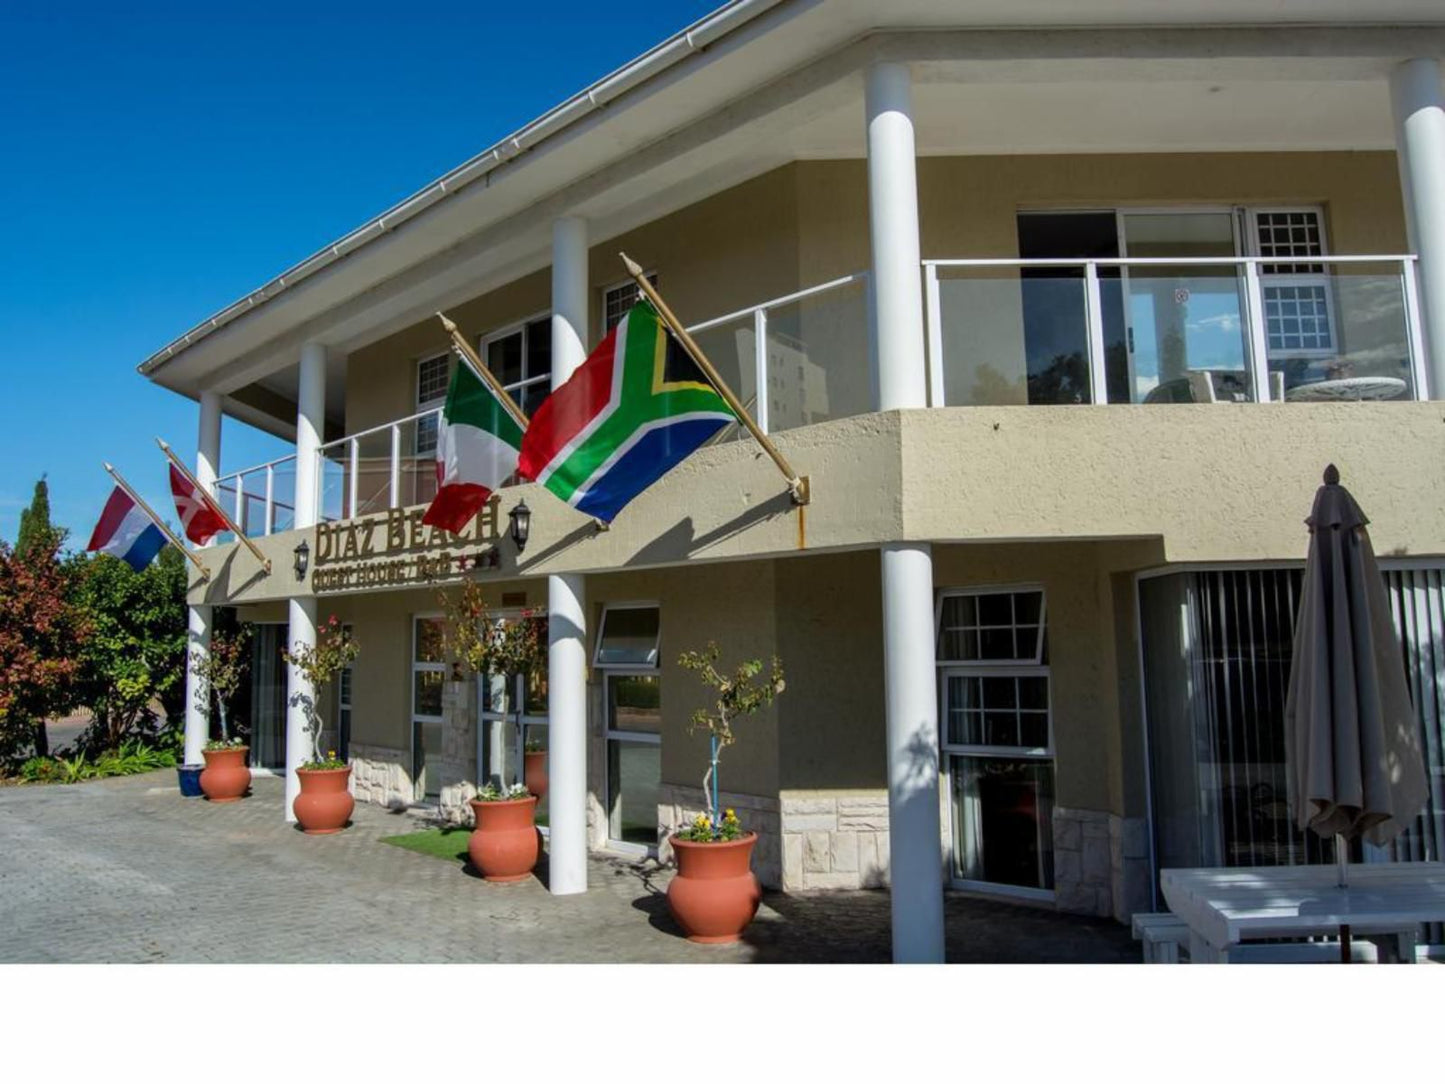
(1350, 388)
(1224, 907)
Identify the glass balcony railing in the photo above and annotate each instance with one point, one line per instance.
(1165, 330)
(1000, 332)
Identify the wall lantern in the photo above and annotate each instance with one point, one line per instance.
(521, 517)
(303, 558)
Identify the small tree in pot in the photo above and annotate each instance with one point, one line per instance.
(484, 644)
(324, 805)
(221, 671)
(505, 844)
(715, 895)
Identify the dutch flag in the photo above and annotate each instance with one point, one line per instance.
(125, 531)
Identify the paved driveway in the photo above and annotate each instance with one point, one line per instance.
(125, 870)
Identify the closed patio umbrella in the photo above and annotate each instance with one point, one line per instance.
(1352, 748)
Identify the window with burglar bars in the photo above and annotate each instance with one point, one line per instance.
(1299, 321)
(618, 299)
(432, 376)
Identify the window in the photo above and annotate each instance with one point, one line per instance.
(512, 709)
(616, 300)
(428, 674)
(343, 705)
(1299, 322)
(432, 376)
(626, 656)
(521, 358)
(1217, 648)
(992, 650)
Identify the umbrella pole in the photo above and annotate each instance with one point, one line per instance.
(1342, 878)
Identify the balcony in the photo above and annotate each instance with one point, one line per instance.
(1173, 330)
(1000, 332)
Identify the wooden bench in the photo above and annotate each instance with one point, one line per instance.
(1163, 934)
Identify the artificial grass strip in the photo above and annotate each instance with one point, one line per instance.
(446, 843)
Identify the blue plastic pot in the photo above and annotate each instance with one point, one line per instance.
(190, 776)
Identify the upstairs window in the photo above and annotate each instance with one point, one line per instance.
(1299, 321)
(616, 300)
(432, 376)
(521, 358)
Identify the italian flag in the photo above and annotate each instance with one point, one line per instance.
(477, 448)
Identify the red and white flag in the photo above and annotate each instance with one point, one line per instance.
(199, 520)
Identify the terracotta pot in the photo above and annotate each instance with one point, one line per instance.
(225, 777)
(714, 895)
(324, 805)
(505, 843)
(534, 773)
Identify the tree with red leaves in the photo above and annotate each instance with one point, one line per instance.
(41, 632)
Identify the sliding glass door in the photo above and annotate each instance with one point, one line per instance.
(1185, 322)
(1217, 647)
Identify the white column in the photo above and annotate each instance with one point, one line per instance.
(198, 641)
(198, 634)
(299, 694)
(911, 703)
(566, 600)
(910, 680)
(1419, 109)
(310, 424)
(893, 227)
(208, 441)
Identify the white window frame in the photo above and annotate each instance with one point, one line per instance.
(624, 284)
(417, 667)
(1269, 279)
(607, 671)
(434, 403)
(344, 693)
(986, 668)
(517, 715)
(518, 327)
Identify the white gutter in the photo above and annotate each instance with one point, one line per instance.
(694, 38)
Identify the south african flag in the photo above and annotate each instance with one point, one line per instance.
(637, 407)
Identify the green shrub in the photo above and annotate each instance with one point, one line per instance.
(131, 758)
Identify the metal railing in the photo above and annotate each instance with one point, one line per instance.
(999, 331)
(1173, 329)
(262, 499)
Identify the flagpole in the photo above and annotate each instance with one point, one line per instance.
(468, 355)
(798, 487)
(204, 571)
(215, 506)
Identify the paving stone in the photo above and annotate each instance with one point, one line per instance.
(127, 871)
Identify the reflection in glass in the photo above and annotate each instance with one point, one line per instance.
(818, 358)
(430, 639)
(1003, 820)
(427, 686)
(634, 704)
(628, 637)
(634, 771)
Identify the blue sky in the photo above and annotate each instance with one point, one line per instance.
(159, 160)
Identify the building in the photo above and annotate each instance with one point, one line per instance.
(1055, 306)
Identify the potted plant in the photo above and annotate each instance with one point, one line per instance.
(715, 894)
(324, 805)
(505, 844)
(486, 644)
(224, 777)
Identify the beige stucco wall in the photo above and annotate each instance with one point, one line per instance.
(967, 206)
